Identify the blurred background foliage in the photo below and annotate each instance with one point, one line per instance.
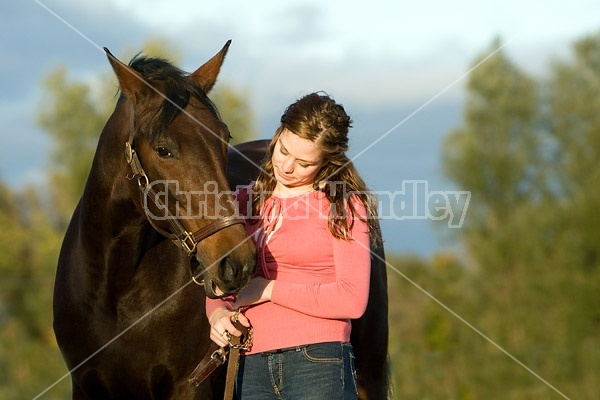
(526, 277)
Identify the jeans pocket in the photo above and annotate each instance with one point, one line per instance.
(323, 353)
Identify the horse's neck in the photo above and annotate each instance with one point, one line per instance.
(115, 239)
(107, 213)
(113, 235)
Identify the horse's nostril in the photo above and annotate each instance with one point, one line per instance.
(250, 267)
(226, 270)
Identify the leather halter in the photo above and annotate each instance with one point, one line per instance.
(187, 240)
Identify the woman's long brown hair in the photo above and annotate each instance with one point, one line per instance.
(318, 118)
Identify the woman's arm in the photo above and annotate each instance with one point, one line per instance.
(347, 296)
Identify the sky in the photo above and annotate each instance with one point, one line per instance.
(398, 67)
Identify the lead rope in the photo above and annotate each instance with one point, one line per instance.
(218, 357)
(236, 344)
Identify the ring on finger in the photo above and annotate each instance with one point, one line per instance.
(224, 332)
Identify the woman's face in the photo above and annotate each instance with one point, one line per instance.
(296, 161)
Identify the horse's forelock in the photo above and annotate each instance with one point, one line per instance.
(176, 87)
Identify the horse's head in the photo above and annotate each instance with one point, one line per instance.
(177, 155)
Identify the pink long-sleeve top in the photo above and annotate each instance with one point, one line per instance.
(321, 282)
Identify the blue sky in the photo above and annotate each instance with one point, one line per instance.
(399, 67)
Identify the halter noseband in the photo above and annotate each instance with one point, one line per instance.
(187, 240)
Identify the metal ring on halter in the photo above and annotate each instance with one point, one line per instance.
(201, 283)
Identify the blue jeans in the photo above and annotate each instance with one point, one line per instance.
(321, 371)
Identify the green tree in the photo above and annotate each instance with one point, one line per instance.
(527, 152)
(236, 111)
(29, 358)
(73, 115)
(575, 128)
(575, 123)
(496, 155)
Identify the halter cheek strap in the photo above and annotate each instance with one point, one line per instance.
(187, 240)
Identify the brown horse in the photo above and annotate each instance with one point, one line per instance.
(128, 319)
(370, 332)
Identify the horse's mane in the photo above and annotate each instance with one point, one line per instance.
(175, 85)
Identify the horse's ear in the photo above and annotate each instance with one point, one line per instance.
(206, 75)
(131, 82)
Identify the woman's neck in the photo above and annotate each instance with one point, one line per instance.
(282, 191)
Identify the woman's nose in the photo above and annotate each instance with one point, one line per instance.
(287, 165)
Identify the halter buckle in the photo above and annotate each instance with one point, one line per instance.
(143, 180)
(188, 243)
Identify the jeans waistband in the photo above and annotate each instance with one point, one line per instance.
(279, 351)
(296, 348)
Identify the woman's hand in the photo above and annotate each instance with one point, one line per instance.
(258, 291)
(220, 324)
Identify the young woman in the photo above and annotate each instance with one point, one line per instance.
(311, 217)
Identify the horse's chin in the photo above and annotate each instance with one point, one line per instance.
(212, 289)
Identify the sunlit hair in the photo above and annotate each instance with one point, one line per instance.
(318, 118)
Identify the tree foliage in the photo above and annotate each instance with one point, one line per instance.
(29, 358)
(236, 111)
(527, 152)
(73, 118)
(494, 154)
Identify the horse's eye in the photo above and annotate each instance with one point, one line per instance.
(164, 152)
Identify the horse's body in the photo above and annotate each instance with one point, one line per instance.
(370, 332)
(127, 318)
